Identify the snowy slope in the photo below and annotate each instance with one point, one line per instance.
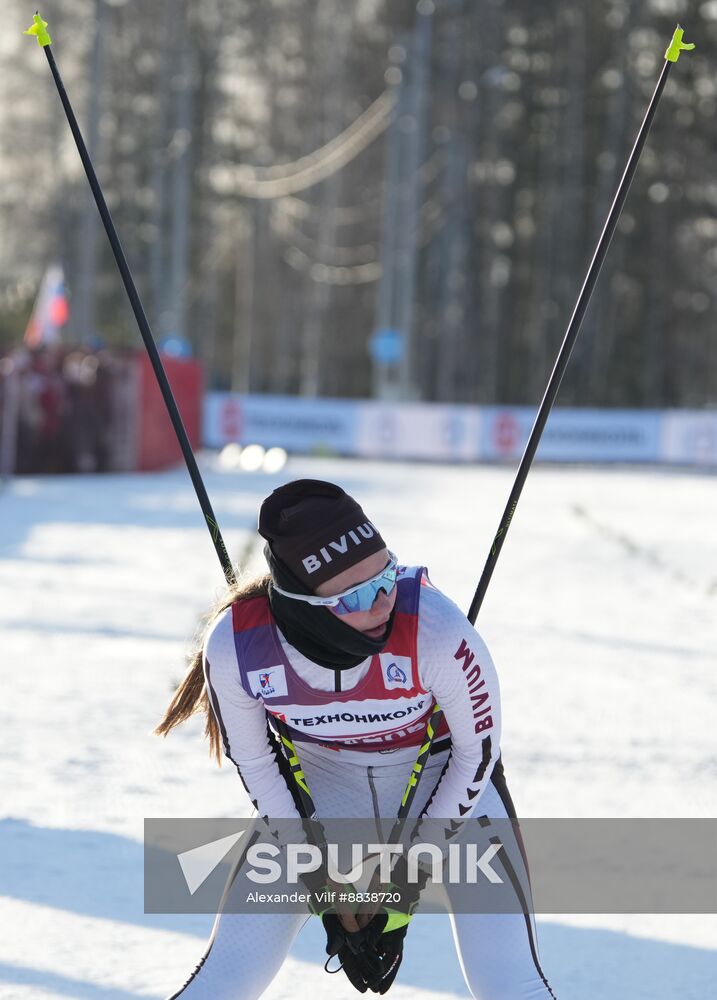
(601, 618)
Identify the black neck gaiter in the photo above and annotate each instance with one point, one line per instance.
(315, 631)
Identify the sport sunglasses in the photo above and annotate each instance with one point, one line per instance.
(358, 598)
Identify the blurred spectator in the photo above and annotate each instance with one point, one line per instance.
(60, 403)
(88, 412)
(70, 408)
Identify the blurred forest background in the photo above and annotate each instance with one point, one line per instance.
(289, 177)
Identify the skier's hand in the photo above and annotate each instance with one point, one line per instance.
(371, 959)
(339, 921)
(392, 923)
(356, 952)
(348, 920)
(389, 949)
(409, 893)
(326, 898)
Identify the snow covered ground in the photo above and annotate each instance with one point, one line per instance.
(602, 621)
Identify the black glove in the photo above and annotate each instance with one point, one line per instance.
(356, 951)
(393, 923)
(372, 956)
(357, 958)
(390, 952)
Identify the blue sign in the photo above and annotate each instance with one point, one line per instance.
(386, 347)
(175, 346)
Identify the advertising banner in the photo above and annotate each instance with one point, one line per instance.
(457, 433)
(298, 425)
(689, 437)
(573, 435)
(429, 431)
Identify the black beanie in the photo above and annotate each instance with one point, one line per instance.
(317, 530)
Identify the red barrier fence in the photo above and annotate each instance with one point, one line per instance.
(65, 409)
(157, 445)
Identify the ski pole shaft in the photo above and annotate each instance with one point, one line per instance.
(137, 308)
(573, 329)
(39, 29)
(671, 55)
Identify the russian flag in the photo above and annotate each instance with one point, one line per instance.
(51, 310)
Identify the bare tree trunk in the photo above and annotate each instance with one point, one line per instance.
(244, 286)
(488, 340)
(181, 147)
(87, 267)
(568, 256)
(411, 195)
(383, 380)
(602, 317)
(654, 332)
(335, 28)
(157, 258)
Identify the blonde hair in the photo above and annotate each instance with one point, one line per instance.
(191, 694)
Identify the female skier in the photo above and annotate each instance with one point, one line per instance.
(352, 651)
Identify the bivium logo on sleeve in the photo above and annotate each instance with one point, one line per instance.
(269, 683)
(397, 671)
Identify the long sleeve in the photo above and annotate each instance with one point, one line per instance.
(456, 666)
(453, 663)
(242, 722)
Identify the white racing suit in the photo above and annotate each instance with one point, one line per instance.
(357, 745)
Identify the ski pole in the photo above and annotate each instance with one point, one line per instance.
(671, 56)
(39, 29)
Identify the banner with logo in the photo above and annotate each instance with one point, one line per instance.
(457, 433)
(429, 431)
(689, 437)
(298, 425)
(573, 435)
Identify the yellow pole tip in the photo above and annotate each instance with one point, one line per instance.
(38, 28)
(677, 45)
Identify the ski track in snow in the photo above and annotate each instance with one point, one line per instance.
(601, 618)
